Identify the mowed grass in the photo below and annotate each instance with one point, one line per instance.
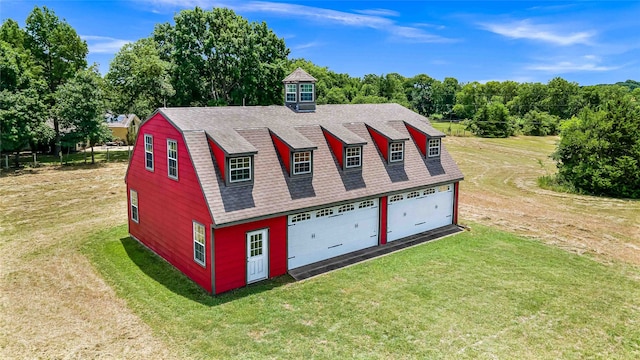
(479, 294)
(451, 128)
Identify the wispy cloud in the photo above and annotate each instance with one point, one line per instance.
(377, 19)
(104, 44)
(526, 29)
(586, 63)
(306, 45)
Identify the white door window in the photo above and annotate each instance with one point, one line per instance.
(257, 255)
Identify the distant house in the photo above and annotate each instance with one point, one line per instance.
(122, 125)
(235, 195)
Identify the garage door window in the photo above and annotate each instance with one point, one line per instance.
(444, 188)
(413, 194)
(396, 198)
(365, 204)
(430, 191)
(300, 217)
(324, 212)
(345, 208)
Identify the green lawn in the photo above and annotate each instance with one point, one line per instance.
(478, 294)
(451, 128)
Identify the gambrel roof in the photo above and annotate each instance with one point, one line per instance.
(248, 130)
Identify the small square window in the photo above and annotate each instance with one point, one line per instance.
(291, 92)
(434, 147)
(240, 169)
(302, 162)
(353, 157)
(306, 92)
(396, 152)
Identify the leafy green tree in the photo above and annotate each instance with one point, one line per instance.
(599, 151)
(469, 99)
(538, 123)
(219, 58)
(58, 50)
(138, 79)
(80, 107)
(492, 120)
(562, 98)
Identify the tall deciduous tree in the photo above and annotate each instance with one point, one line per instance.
(80, 107)
(218, 57)
(139, 80)
(58, 49)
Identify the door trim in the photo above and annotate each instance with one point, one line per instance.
(266, 243)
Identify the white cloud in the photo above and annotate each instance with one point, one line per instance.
(372, 18)
(104, 44)
(306, 45)
(525, 29)
(571, 66)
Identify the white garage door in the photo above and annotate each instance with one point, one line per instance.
(325, 233)
(418, 211)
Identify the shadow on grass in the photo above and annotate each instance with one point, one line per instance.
(171, 278)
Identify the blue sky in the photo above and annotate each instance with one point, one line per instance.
(584, 41)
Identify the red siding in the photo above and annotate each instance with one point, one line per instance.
(419, 138)
(336, 146)
(383, 220)
(283, 150)
(166, 207)
(381, 143)
(231, 252)
(456, 188)
(220, 158)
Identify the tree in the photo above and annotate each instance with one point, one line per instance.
(538, 123)
(79, 106)
(599, 151)
(58, 50)
(138, 79)
(469, 99)
(220, 58)
(492, 120)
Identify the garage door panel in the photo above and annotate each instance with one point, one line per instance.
(331, 232)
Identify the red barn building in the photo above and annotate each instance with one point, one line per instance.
(235, 195)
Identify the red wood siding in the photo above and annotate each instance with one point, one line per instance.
(220, 158)
(419, 138)
(381, 142)
(383, 220)
(283, 151)
(231, 252)
(166, 207)
(336, 146)
(456, 187)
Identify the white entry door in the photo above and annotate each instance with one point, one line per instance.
(419, 211)
(333, 231)
(257, 255)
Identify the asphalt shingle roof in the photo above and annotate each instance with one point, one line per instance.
(247, 129)
(298, 75)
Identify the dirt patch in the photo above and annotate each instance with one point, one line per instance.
(53, 303)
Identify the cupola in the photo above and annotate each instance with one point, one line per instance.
(300, 91)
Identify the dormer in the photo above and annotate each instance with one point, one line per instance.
(295, 150)
(346, 146)
(235, 158)
(300, 91)
(428, 142)
(390, 142)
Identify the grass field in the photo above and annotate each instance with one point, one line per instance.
(73, 286)
(452, 128)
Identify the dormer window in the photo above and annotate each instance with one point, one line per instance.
(396, 152)
(239, 169)
(353, 157)
(301, 163)
(306, 92)
(291, 92)
(433, 147)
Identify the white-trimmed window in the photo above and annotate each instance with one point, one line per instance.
(301, 162)
(353, 157)
(148, 151)
(172, 158)
(433, 147)
(239, 169)
(133, 199)
(199, 254)
(306, 92)
(396, 151)
(291, 92)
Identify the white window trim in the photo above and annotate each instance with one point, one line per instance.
(202, 262)
(236, 158)
(391, 152)
(294, 92)
(347, 157)
(307, 92)
(169, 158)
(136, 218)
(147, 151)
(294, 163)
(429, 147)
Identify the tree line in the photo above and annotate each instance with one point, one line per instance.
(49, 94)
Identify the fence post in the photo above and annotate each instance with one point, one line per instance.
(107, 154)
